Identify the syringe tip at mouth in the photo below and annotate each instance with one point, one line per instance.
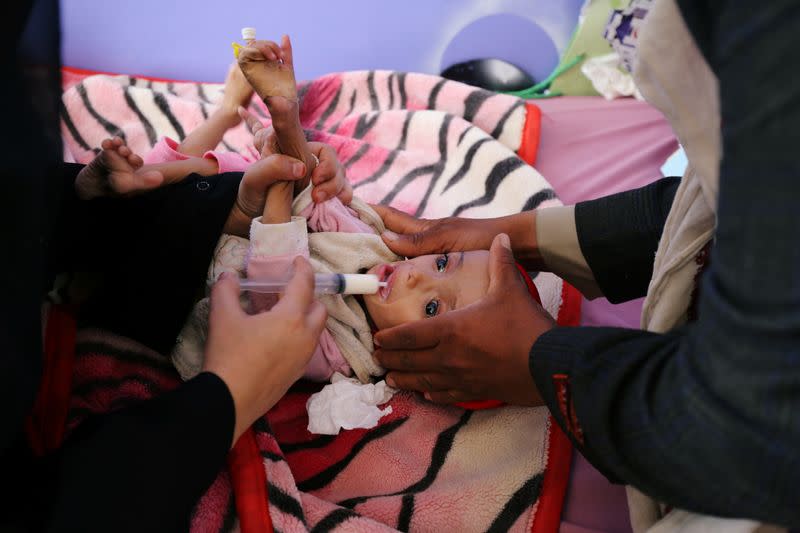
(383, 284)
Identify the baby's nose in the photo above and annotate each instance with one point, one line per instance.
(412, 278)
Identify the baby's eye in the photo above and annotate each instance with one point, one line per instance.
(441, 262)
(432, 308)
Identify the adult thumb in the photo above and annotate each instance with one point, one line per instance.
(502, 265)
(278, 167)
(225, 298)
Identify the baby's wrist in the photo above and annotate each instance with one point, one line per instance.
(229, 111)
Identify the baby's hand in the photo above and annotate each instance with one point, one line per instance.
(264, 138)
(269, 68)
(238, 91)
(116, 171)
(329, 177)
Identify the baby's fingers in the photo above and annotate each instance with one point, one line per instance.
(261, 50)
(252, 122)
(286, 49)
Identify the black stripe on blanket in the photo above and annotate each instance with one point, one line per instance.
(525, 496)
(390, 86)
(365, 124)
(373, 96)
(203, 110)
(440, 450)
(356, 156)
(229, 518)
(163, 106)
(498, 130)
(435, 169)
(330, 109)
(474, 102)
(148, 128)
(112, 129)
(496, 176)
(72, 129)
(463, 134)
(537, 199)
(301, 92)
(201, 93)
(353, 96)
(319, 442)
(467, 164)
(228, 147)
(406, 513)
(284, 502)
(258, 111)
(261, 425)
(405, 180)
(435, 93)
(329, 474)
(389, 161)
(401, 86)
(274, 457)
(444, 132)
(333, 520)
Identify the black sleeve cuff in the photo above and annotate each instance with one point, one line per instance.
(619, 236)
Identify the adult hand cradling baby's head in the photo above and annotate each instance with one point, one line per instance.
(459, 356)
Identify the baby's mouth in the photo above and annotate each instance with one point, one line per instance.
(385, 274)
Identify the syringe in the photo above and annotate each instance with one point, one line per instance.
(323, 284)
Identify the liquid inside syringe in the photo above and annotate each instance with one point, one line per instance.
(323, 284)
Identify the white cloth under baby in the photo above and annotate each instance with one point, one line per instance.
(347, 404)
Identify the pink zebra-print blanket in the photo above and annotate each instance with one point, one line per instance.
(425, 145)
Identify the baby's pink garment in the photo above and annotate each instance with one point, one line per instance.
(166, 150)
(273, 248)
(333, 215)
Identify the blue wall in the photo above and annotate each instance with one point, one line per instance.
(190, 39)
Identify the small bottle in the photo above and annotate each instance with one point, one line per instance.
(249, 35)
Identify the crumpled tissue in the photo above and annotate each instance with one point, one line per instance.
(608, 79)
(347, 404)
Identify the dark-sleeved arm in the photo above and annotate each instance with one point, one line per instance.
(143, 468)
(705, 417)
(150, 253)
(619, 235)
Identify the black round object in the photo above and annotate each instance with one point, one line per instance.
(491, 74)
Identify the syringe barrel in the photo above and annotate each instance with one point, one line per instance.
(324, 283)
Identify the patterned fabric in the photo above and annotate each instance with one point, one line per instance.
(423, 144)
(622, 30)
(432, 148)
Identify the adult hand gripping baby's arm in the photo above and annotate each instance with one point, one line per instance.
(328, 176)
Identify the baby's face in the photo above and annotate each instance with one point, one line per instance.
(427, 286)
